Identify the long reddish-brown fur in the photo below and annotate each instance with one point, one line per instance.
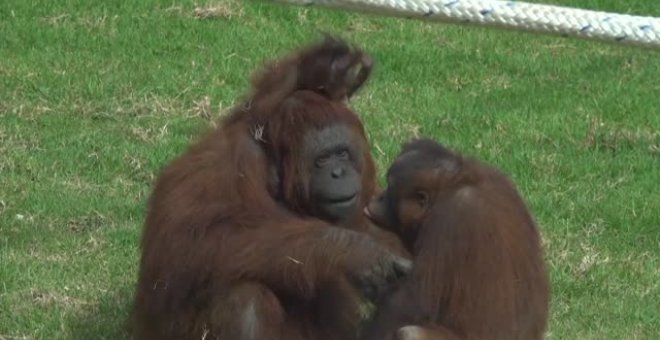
(479, 271)
(229, 250)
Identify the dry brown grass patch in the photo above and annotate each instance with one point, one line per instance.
(44, 298)
(224, 10)
(605, 136)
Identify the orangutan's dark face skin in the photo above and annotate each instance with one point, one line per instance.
(335, 182)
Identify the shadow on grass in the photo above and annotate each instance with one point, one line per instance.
(108, 320)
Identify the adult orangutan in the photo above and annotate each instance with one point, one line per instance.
(478, 271)
(257, 231)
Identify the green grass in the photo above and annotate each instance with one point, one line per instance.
(96, 96)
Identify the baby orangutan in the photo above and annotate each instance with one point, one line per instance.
(478, 270)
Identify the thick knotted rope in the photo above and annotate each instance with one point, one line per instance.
(621, 28)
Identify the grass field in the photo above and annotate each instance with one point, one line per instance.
(96, 96)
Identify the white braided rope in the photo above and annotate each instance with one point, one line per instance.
(622, 28)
